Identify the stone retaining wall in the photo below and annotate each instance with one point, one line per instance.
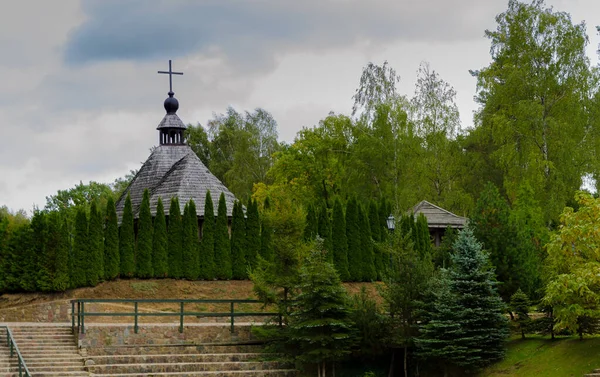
(51, 312)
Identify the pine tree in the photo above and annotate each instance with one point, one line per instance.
(95, 248)
(160, 266)
(339, 241)
(325, 232)
(252, 233)
(519, 304)
(143, 252)
(190, 242)
(238, 236)
(112, 258)
(355, 266)
(464, 325)
(60, 281)
(80, 249)
(207, 245)
(222, 248)
(368, 272)
(175, 239)
(127, 241)
(266, 235)
(311, 228)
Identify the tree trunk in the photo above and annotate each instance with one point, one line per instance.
(405, 359)
(319, 370)
(391, 372)
(445, 370)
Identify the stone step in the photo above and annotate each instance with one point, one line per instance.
(234, 373)
(54, 374)
(174, 349)
(182, 367)
(176, 358)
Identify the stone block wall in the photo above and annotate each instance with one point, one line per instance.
(50, 312)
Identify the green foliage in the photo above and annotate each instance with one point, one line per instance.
(519, 304)
(160, 265)
(95, 252)
(367, 257)
(422, 235)
(60, 280)
(40, 274)
(143, 246)
(175, 239)
(311, 230)
(325, 232)
(222, 247)
(252, 233)
(354, 241)
(207, 244)
(372, 325)
(266, 235)
(80, 250)
(464, 324)
(112, 258)
(127, 241)
(340, 243)
(441, 255)
(238, 244)
(190, 243)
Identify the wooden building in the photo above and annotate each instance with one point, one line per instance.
(438, 220)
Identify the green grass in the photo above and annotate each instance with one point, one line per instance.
(144, 286)
(541, 357)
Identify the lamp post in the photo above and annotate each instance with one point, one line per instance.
(391, 223)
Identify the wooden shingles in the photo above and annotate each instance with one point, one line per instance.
(438, 217)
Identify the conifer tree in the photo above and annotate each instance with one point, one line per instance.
(368, 272)
(266, 235)
(325, 232)
(112, 258)
(423, 235)
(354, 241)
(190, 242)
(383, 216)
(252, 233)
(98, 221)
(311, 228)
(42, 271)
(160, 266)
(127, 241)
(519, 304)
(143, 252)
(238, 236)
(376, 234)
(175, 234)
(207, 245)
(80, 249)
(339, 241)
(464, 325)
(222, 247)
(24, 268)
(95, 246)
(60, 280)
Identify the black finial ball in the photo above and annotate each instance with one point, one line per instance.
(171, 104)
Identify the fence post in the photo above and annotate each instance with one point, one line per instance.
(135, 326)
(78, 316)
(72, 317)
(82, 317)
(232, 320)
(20, 371)
(7, 338)
(11, 349)
(181, 317)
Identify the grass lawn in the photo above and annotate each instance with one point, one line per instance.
(541, 357)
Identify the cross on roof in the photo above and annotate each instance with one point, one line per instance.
(171, 73)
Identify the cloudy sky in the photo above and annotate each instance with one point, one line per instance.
(80, 98)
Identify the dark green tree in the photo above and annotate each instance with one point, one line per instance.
(376, 234)
(252, 233)
(422, 234)
(464, 325)
(41, 272)
(80, 250)
(190, 242)
(207, 245)
(238, 237)
(312, 227)
(95, 256)
(127, 241)
(368, 272)
(160, 243)
(175, 238)
(223, 269)
(266, 235)
(60, 280)
(355, 266)
(339, 241)
(112, 258)
(519, 304)
(325, 232)
(143, 252)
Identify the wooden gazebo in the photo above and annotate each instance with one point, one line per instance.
(438, 219)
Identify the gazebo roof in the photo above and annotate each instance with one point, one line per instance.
(438, 217)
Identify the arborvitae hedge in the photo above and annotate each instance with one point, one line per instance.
(207, 245)
(222, 248)
(311, 229)
(95, 247)
(339, 241)
(127, 241)
(354, 241)
(112, 258)
(325, 232)
(266, 236)
(160, 265)
(423, 235)
(143, 254)
(376, 234)
(252, 233)
(383, 216)
(80, 249)
(366, 253)
(189, 249)
(175, 236)
(238, 247)
(60, 280)
(41, 273)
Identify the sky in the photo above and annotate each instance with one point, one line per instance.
(80, 97)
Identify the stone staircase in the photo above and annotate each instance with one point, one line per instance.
(48, 351)
(183, 360)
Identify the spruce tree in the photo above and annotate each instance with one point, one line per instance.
(325, 232)
(112, 258)
(80, 250)
(222, 249)
(464, 324)
(60, 281)
(189, 250)
(339, 241)
(368, 272)
(160, 266)
(207, 245)
(95, 246)
(238, 237)
(175, 234)
(519, 304)
(311, 229)
(355, 266)
(143, 252)
(127, 241)
(266, 235)
(252, 233)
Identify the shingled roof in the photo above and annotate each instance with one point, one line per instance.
(174, 170)
(438, 217)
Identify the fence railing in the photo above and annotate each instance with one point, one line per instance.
(14, 350)
(79, 312)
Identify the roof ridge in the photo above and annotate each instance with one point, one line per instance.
(418, 206)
